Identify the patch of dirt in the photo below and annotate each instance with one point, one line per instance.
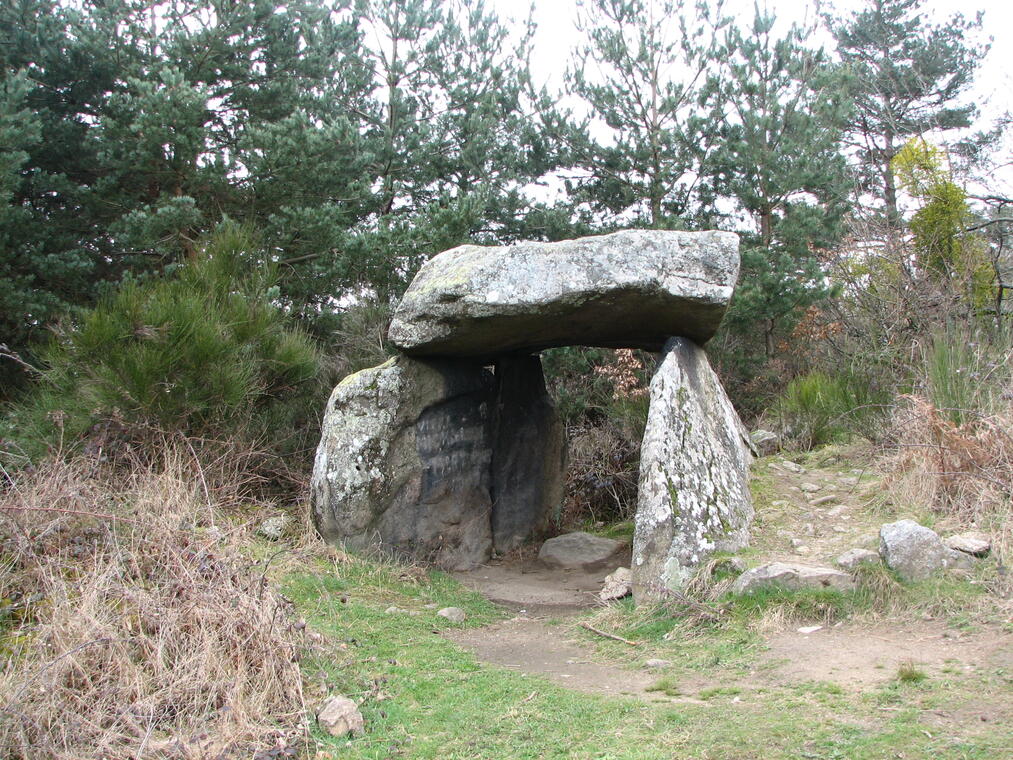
(528, 645)
(525, 584)
(858, 657)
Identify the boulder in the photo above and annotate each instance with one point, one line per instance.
(529, 453)
(791, 577)
(975, 544)
(617, 585)
(915, 552)
(693, 494)
(441, 460)
(765, 442)
(853, 559)
(404, 459)
(630, 289)
(581, 551)
(340, 716)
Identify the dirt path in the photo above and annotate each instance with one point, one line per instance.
(527, 586)
(810, 515)
(531, 646)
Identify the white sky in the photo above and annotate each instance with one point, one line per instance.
(556, 38)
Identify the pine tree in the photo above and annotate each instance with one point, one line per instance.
(907, 77)
(642, 73)
(779, 157)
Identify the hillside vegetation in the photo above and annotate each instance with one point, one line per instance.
(207, 213)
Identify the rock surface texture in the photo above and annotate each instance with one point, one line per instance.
(453, 450)
(792, 577)
(631, 289)
(404, 461)
(438, 459)
(529, 459)
(693, 496)
(915, 552)
(580, 551)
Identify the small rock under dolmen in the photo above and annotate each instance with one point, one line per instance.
(580, 551)
(630, 289)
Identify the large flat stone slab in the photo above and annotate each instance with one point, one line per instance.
(693, 496)
(792, 577)
(628, 289)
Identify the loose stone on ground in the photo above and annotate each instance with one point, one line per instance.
(340, 716)
(915, 552)
(580, 551)
(792, 577)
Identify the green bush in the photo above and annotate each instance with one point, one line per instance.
(203, 351)
(968, 371)
(817, 409)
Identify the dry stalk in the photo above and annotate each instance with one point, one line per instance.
(141, 630)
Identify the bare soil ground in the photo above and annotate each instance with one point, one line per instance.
(807, 516)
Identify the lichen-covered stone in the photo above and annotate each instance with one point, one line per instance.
(915, 552)
(694, 467)
(404, 459)
(791, 577)
(629, 289)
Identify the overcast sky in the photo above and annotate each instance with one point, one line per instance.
(993, 90)
(557, 36)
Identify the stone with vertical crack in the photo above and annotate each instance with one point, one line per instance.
(693, 496)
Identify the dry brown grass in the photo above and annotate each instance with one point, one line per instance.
(964, 472)
(134, 625)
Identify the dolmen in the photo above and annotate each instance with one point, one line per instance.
(453, 450)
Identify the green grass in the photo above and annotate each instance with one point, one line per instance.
(425, 697)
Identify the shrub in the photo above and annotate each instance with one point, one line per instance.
(968, 372)
(138, 628)
(817, 409)
(601, 395)
(205, 351)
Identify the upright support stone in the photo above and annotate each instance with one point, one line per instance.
(694, 467)
(404, 461)
(529, 453)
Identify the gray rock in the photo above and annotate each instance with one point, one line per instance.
(915, 552)
(792, 466)
(656, 664)
(630, 289)
(693, 494)
(765, 442)
(975, 544)
(792, 577)
(404, 462)
(273, 528)
(340, 716)
(439, 459)
(821, 501)
(581, 551)
(453, 614)
(618, 584)
(529, 461)
(810, 487)
(852, 559)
